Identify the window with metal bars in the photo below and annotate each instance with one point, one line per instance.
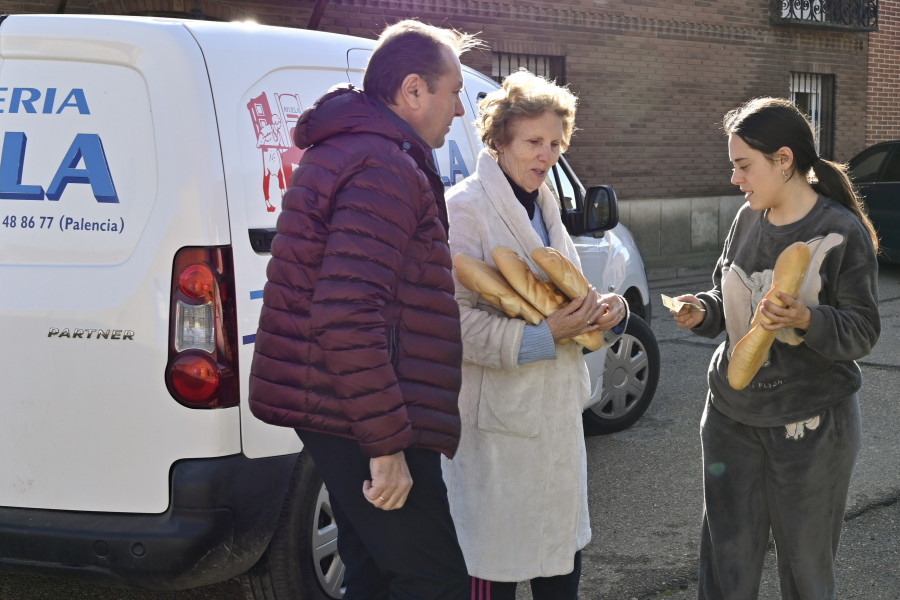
(813, 93)
(549, 67)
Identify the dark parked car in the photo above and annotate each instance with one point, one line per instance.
(876, 172)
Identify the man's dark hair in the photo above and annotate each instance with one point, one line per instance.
(411, 47)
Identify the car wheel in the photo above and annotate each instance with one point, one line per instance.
(301, 562)
(630, 374)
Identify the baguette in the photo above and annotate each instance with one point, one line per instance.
(751, 351)
(486, 281)
(566, 276)
(542, 295)
(570, 281)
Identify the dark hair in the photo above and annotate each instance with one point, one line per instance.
(769, 124)
(411, 47)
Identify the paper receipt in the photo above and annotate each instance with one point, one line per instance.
(676, 305)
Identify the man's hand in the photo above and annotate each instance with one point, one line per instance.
(390, 483)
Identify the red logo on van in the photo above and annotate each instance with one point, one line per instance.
(273, 123)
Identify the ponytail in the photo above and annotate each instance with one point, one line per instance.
(833, 182)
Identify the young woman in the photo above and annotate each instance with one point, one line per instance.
(777, 454)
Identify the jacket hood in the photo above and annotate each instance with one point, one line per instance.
(347, 109)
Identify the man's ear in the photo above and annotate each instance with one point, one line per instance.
(410, 92)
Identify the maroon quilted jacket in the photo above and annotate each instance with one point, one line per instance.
(359, 332)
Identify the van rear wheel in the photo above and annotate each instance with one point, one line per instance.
(301, 562)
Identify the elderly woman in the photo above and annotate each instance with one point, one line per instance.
(518, 484)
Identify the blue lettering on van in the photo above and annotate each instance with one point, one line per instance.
(31, 100)
(11, 160)
(82, 224)
(86, 148)
(457, 165)
(250, 338)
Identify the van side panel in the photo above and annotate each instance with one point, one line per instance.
(258, 97)
(110, 164)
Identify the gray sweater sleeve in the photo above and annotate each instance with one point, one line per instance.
(848, 325)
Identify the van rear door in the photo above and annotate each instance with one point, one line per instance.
(110, 163)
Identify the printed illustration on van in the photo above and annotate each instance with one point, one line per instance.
(273, 123)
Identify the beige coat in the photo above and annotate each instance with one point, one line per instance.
(518, 483)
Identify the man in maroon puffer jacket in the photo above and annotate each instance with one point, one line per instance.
(358, 346)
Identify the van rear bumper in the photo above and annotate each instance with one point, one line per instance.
(220, 519)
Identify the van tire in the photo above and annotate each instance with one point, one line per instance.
(630, 375)
(294, 567)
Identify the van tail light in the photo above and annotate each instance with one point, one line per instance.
(202, 371)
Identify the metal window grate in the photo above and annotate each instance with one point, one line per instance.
(549, 67)
(860, 15)
(813, 93)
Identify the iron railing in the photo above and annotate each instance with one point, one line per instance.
(856, 15)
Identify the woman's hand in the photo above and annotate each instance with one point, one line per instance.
(583, 315)
(687, 318)
(793, 314)
(612, 311)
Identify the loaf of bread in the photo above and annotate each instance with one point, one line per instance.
(750, 352)
(592, 340)
(570, 281)
(542, 295)
(565, 275)
(487, 282)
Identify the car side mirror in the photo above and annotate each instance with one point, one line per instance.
(601, 210)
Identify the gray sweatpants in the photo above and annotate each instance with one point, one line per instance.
(755, 480)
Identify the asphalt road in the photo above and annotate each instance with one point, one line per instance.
(646, 488)
(646, 497)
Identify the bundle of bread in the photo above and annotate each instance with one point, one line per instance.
(750, 352)
(513, 287)
(571, 282)
(543, 295)
(487, 281)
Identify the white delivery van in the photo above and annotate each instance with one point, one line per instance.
(142, 169)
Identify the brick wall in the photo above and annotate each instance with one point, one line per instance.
(654, 78)
(883, 109)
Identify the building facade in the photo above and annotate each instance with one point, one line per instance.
(653, 77)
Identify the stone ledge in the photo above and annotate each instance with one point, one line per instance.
(680, 269)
